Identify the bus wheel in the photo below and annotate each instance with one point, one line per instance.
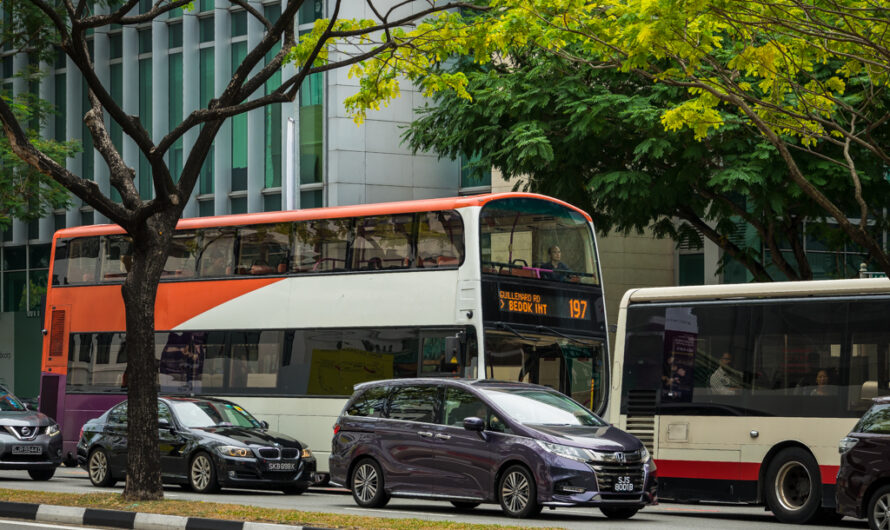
(793, 486)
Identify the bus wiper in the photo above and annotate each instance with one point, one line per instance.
(563, 335)
(502, 325)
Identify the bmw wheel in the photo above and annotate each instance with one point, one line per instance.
(97, 467)
(517, 493)
(202, 474)
(367, 485)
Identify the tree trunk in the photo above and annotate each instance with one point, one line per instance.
(150, 242)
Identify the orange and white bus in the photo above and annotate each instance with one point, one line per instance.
(285, 311)
(743, 392)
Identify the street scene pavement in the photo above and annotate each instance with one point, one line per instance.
(338, 501)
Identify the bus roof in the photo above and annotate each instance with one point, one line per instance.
(764, 290)
(331, 212)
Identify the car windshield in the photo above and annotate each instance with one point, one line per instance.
(533, 406)
(198, 414)
(8, 402)
(876, 420)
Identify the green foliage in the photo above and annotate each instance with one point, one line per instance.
(595, 138)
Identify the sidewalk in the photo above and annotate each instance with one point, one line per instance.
(47, 513)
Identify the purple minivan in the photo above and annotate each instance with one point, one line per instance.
(470, 442)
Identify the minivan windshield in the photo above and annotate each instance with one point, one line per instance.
(533, 406)
(876, 420)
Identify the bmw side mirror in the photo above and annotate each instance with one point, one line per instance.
(474, 424)
(164, 423)
(264, 424)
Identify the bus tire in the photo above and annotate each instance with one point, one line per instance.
(99, 470)
(793, 486)
(367, 484)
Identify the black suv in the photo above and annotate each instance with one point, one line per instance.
(863, 481)
(471, 442)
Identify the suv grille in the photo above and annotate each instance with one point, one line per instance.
(24, 432)
(607, 476)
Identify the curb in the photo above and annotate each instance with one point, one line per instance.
(47, 513)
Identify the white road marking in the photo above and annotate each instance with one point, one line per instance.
(47, 525)
(393, 514)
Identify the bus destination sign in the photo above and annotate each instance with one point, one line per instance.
(543, 304)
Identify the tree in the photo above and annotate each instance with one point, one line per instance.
(26, 193)
(333, 43)
(802, 74)
(594, 137)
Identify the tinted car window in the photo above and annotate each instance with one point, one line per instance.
(371, 403)
(460, 404)
(9, 402)
(414, 403)
(118, 414)
(876, 420)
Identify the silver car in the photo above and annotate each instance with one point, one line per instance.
(29, 439)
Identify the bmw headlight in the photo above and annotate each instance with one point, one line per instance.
(234, 450)
(307, 453)
(846, 444)
(566, 451)
(52, 430)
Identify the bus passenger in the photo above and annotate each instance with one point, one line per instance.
(823, 386)
(555, 265)
(723, 381)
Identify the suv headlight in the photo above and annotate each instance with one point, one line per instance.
(234, 450)
(307, 453)
(52, 430)
(846, 444)
(566, 451)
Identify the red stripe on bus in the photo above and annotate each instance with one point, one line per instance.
(725, 470)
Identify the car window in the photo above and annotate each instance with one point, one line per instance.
(541, 407)
(164, 412)
(118, 414)
(414, 403)
(876, 420)
(460, 404)
(370, 403)
(198, 414)
(8, 402)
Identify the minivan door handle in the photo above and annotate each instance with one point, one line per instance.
(425, 434)
(443, 436)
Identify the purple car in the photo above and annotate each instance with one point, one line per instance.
(863, 480)
(471, 442)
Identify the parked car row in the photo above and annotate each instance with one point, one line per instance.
(467, 442)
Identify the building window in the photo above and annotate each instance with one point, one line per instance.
(174, 111)
(86, 138)
(146, 190)
(272, 126)
(474, 179)
(239, 126)
(206, 88)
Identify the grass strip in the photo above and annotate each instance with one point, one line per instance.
(234, 512)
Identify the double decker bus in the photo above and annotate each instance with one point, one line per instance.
(284, 312)
(743, 392)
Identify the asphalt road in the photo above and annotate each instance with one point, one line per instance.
(665, 515)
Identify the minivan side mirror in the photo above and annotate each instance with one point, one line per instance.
(474, 424)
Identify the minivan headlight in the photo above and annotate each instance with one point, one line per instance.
(566, 451)
(52, 430)
(234, 450)
(644, 455)
(846, 444)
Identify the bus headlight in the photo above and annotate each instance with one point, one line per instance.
(234, 450)
(307, 453)
(846, 444)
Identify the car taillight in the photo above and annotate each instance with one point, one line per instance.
(336, 428)
(81, 434)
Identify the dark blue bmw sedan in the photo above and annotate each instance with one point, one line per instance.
(470, 442)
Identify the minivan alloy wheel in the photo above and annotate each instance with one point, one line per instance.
(365, 482)
(879, 509)
(516, 491)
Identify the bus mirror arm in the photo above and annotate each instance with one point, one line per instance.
(563, 335)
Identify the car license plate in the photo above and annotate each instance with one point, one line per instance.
(281, 466)
(27, 450)
(623, 483)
